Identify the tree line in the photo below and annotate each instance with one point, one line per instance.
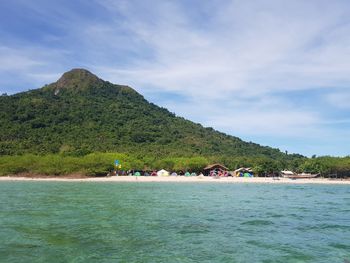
(97, 164)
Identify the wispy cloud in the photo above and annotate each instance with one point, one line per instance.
(276, 45)
(340, 100)
(12, 59)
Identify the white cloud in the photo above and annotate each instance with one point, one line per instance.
(254, 48)
(13, 59)
(340, 99)
(31, 67)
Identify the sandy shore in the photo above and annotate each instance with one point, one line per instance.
(180, 179)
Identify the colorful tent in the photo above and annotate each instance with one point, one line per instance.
(137, 174)
(187, 174)
(162, 173)
(243, 172)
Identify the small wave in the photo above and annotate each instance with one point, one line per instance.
(340, 246)
(275, 215)
(324, 227)
(193, 231)
(257, 222)
(260, 244)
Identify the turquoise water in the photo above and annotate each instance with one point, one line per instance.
(164, 222)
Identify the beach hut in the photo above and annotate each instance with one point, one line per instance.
(162, 173)
(214, 169)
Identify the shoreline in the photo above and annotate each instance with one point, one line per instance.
(178, 179)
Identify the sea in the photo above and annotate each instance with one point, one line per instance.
(173, 222)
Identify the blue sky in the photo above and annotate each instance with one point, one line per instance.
(269, 71)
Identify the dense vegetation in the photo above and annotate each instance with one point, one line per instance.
(96, 164)
(78, 122)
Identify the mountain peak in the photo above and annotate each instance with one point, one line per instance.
(78, 78)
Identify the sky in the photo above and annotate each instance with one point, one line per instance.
(275, 72)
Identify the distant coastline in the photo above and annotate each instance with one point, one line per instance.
(175, 179)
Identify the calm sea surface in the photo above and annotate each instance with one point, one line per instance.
(164, 222)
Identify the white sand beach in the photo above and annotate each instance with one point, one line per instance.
(179, 179)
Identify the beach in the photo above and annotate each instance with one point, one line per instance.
(178, 179)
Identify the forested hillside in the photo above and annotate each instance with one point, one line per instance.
(81, 114)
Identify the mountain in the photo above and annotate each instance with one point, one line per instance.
(81, 113)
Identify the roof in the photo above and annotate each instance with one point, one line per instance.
(215, 165)
(287, 172)
(243, 169)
